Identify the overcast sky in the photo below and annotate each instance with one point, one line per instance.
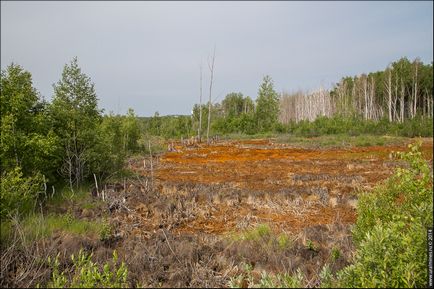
(146, 55)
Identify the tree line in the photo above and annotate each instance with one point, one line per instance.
(68, 141)
(399, 96)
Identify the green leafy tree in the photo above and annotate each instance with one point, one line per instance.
(76, 118)
(108, 154)
(267, 108)
(233, 104)
(131, 131)
(27, 140)
(248, 105)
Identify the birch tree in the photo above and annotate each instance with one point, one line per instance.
(76, 115)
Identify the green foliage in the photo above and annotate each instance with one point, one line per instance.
(404, 193)
(105, 231)
(403, 79)
(354, 126)
(174, 126)
(109, 152)
(67, 138)
(117, 137)
(76, 117)
(284, 241)
(87, 274)
(38, 226)
(17, 193)
(35, 226)
(335, 254)
(326, 277)
(26, 139)
(131, 131)
(390, 232)
(267, 106)
(311, 246)
(233, 105)
(258, 233)
(339, 140)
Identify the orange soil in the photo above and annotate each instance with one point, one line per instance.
(261, 166)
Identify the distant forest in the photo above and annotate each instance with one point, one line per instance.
(397, 100)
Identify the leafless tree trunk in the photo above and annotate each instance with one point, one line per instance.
(415, 90)
(211, 68)
(395, 101)
(372, 106)
(96, 185)
(401, 101)
(199, 130)
(388, 87)
(300, 106)
(365, 94)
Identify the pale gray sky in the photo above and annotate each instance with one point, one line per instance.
(146, 55)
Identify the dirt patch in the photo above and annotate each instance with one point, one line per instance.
(178, 221)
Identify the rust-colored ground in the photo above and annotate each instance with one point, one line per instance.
(257, 181)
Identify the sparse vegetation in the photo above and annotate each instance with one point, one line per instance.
(87, 274)
(266, 280)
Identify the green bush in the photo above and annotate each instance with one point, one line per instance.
(87, 274)
(390, 233)
(17, 193)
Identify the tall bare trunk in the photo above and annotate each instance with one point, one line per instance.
(389, 93)
(401, 102)
(415, 91)
(199, 130)
(365, 94)
(211, 68)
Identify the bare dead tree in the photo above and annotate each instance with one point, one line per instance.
(199, 130)
(305, 106)
(365, 94)
(401, 101)
(152, 167)
(388, 87)
(211, 68)
(415, 92)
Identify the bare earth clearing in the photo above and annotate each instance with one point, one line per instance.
(203, 212)
(185, 231)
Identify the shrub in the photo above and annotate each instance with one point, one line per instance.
(391, 228)
(18, 194)
(87, 274)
